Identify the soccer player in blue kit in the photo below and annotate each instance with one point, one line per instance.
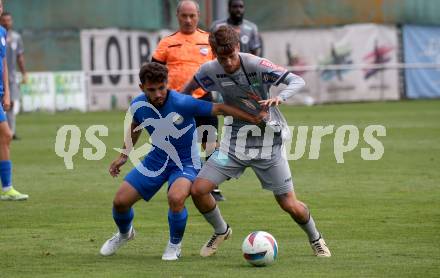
(8, 193)
(168, 116)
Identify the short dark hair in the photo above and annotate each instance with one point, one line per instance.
(224, 39)
(153, 72)
(232, 1)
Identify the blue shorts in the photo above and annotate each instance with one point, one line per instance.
(147, 186)
(2, 112)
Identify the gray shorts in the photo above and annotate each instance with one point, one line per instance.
(274, 173)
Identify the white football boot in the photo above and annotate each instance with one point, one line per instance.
(320, 248)
(172, 252)
(117, 241)
(211, 246)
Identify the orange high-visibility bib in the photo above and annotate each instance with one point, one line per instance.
(183, 54)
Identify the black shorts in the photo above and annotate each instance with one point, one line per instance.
(207, 121)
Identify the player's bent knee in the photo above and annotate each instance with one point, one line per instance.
(201, 187)
(176, 202)
(195, 192)
(119, 204)
(6, 138)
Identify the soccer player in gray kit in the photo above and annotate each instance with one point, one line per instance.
(244, 81)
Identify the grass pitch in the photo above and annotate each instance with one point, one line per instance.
(380, 218)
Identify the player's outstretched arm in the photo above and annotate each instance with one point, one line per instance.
(226, 110)
(294, 84)
(190, 87)
(115, 166)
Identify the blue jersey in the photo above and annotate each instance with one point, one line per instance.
(2, 55)
(172, 127)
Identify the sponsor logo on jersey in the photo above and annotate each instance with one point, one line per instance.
(227, 83)
(271, 65)
(270, 77)
(267, 64)
(204, 50)
(207, 81)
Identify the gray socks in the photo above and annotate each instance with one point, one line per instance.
(310, 229)
(216, 220)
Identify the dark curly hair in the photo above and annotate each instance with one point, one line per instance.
(153, 72)
(224, 40)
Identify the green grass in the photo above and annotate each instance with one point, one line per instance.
(380, 218)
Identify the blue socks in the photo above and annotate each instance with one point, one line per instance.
(123, 220)
(6, 173)
(177, 222)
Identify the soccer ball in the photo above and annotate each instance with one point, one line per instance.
(260, 248)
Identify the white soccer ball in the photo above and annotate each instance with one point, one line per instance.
(260, 248)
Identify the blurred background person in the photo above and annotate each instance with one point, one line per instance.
(14, 57)
(183, 52)
(8, 193)
(250, 40)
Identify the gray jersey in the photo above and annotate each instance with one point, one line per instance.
(14, 48)
(245, 87)
(249, 39)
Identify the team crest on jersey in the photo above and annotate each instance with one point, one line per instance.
(204, 50)
(178, 119)
(244, 39)
(207, 81)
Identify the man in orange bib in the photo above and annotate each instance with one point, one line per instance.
(183, 53)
